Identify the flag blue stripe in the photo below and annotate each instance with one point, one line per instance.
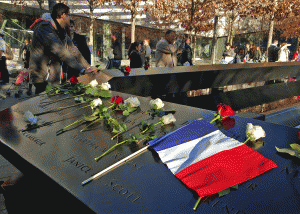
(194, 130)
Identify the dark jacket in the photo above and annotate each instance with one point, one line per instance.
(25, 53)
(135, 59)
(273, 53)
(80, 42)
(186, 55)
(49, 48)
(117, 50)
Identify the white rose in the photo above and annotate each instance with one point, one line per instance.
(133, 101)
(28, 117)
(105, 86)
(93, 83)
(167, 119)
(158, 102)
(96, 102)
(254, 132)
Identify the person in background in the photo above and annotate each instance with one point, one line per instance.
(51, 47)
(273, 51)
(80, 42)
(240, 56)
(25, 55)
(167, 50)
(252, 52)
(257, 55)
(4, 75)
(134, 55)
(228, 54)
(187, 54)
(117, 52)
(296, 56)
(284, 52)
(147, 50)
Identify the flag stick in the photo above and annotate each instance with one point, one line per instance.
(197, 203)
(112, 167)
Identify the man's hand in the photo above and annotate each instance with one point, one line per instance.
(92, 70)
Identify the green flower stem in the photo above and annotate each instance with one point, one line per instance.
(148, 127)
(66, 98)
(55, 110)
(216, 118)
(247, 140)
(70, 113)
(77, 121)
(110, 149)
(197, 204)
(95, 121)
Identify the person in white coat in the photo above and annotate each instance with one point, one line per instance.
(284, 53)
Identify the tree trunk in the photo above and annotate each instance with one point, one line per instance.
(51, 3)
(213, 45)
(133, 20)
(194, 47)
(270, 35)
(92, 37)
(230, 36)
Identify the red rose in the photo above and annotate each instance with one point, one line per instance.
(146, 67)
(298, 135)
(228, 123)
(73, 80)
(127, 69)
(224, 110)
(117, 100)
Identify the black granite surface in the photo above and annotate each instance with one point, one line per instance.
(59, 163)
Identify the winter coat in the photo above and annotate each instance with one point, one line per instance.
(186, 55)
(135, 59)
(166, 54)
(50, 48)
(273, 53)
(117, 50)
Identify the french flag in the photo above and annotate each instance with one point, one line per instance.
(208, 161)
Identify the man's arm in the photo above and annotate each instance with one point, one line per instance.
(50, 39)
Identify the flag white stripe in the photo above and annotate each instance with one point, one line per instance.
(180, 157)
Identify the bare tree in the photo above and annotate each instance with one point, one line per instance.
(136, 7)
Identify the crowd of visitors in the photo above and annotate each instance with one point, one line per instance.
(57, 52)
(252, 53)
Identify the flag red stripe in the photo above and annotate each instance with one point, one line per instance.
(224, 169)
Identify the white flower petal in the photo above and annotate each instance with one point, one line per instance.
(133, 101)
(93, 83)
(158, 102)
(255, 132)
(28, 117)
(105, 86)
(167, 119)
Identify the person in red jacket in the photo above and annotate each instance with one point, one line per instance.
(296, 56)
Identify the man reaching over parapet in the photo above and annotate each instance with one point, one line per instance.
(51, 47)
(167, 50)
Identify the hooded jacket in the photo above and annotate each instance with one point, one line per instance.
(51, 47)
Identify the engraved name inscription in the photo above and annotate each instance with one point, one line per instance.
(77, 164)
(32, 138)
(221, 205)
(129, 195)
(86, 141)
(118, 156)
